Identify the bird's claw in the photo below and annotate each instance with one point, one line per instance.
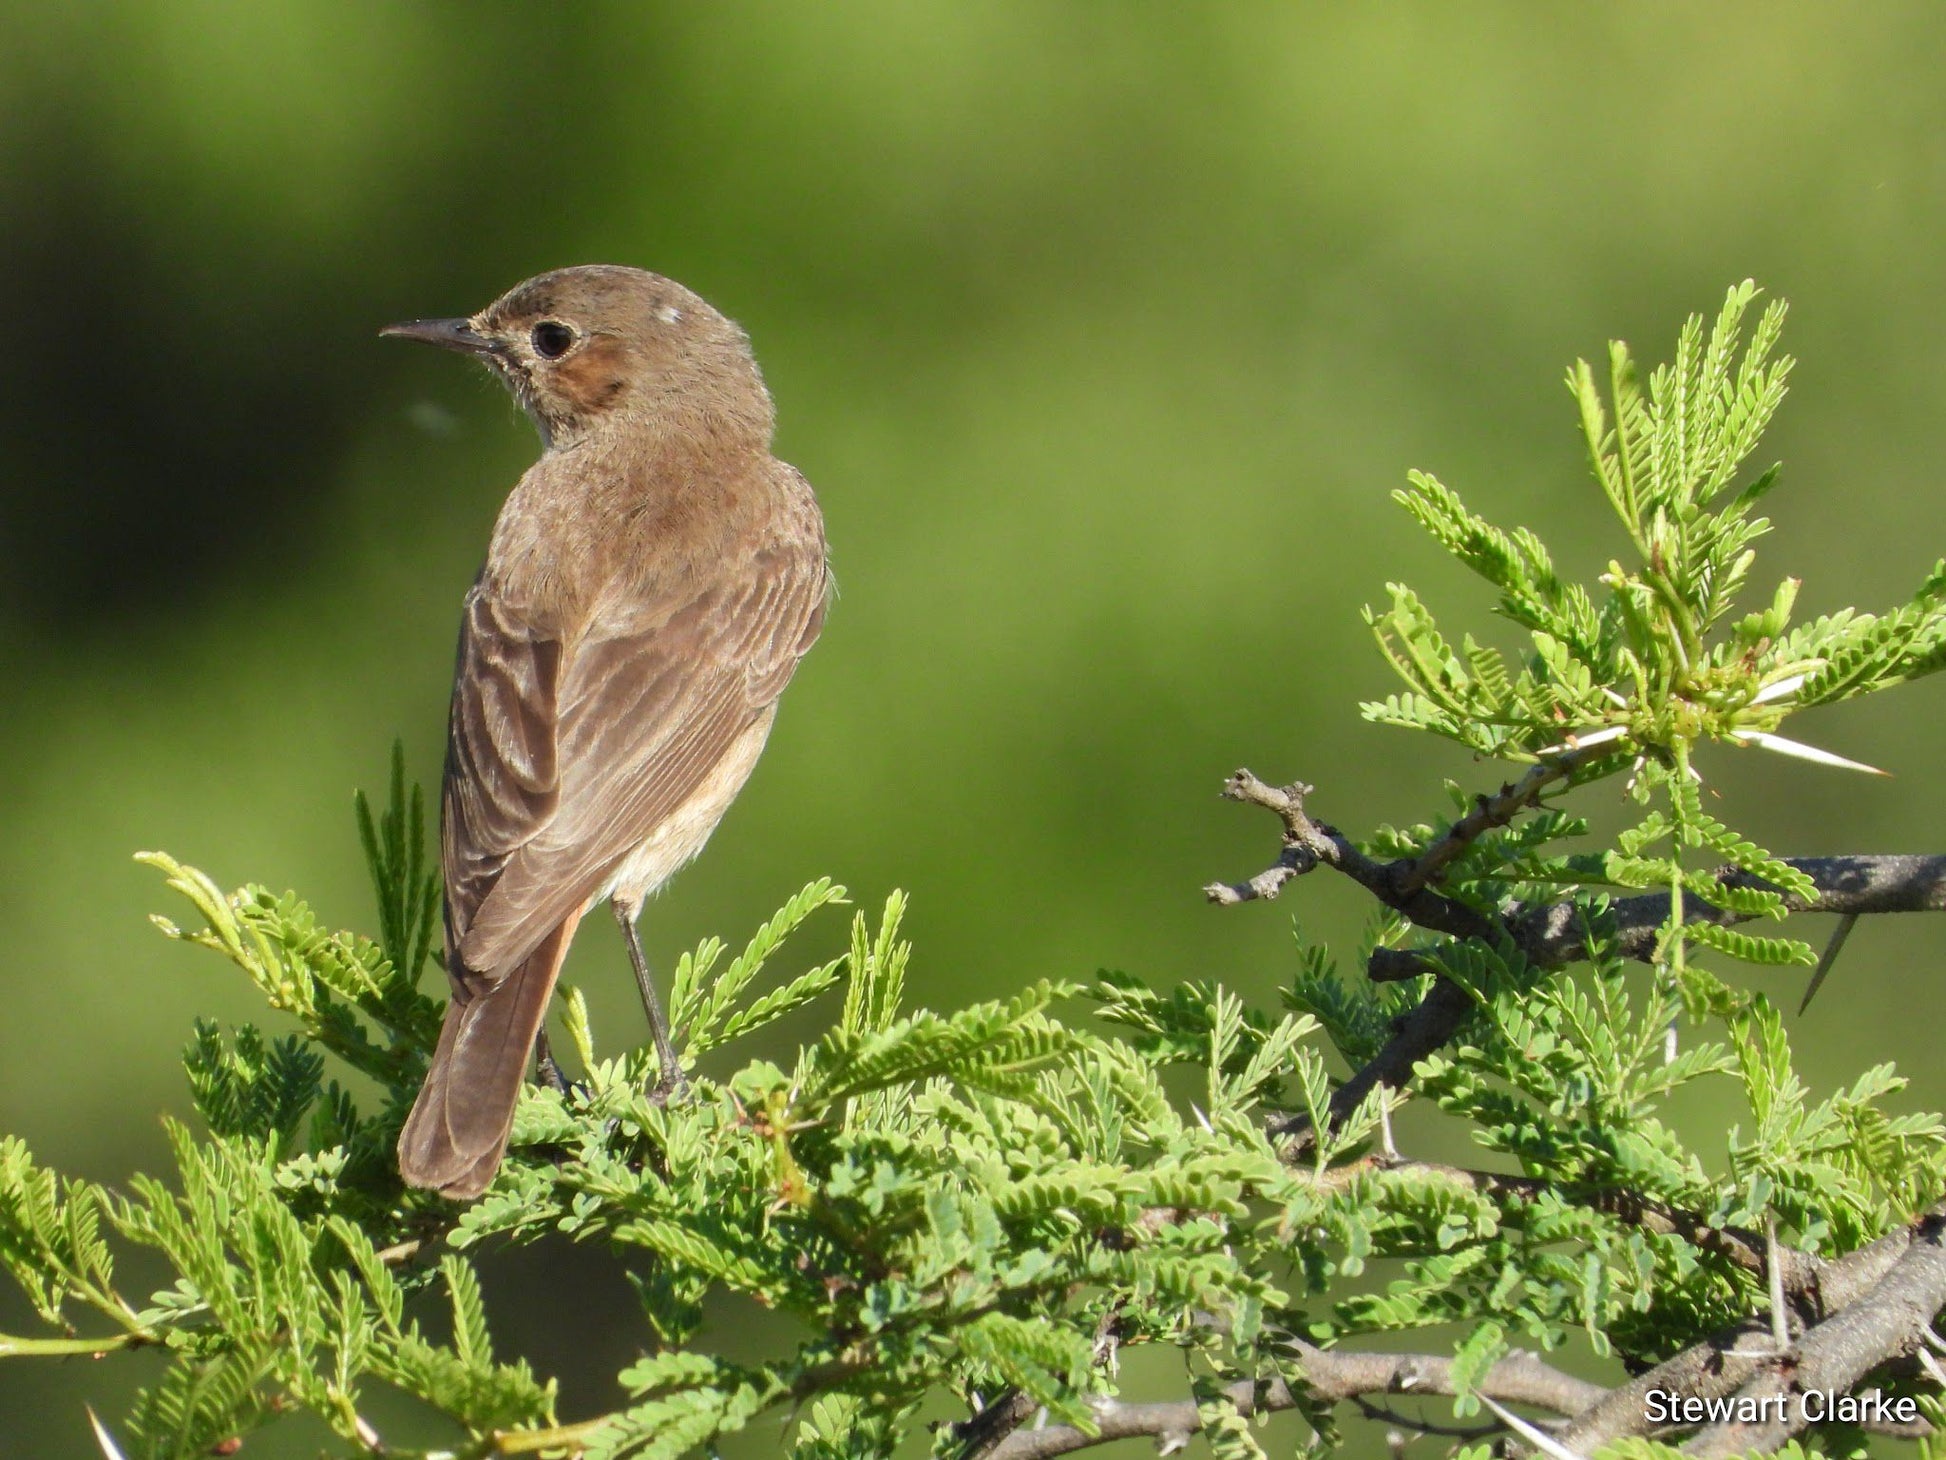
(673, 1087)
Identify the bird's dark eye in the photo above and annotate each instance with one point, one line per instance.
(552, 339)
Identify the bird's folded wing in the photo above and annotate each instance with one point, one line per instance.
(564, 759)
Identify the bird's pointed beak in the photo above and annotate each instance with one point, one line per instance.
(448, 334)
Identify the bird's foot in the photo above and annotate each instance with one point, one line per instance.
(551, 1076)
(672, 1088)
(548, 1069)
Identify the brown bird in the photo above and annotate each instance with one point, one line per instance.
(651, 584)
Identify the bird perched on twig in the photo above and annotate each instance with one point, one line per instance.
(651, 584)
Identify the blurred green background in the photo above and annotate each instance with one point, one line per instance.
(1104, 333)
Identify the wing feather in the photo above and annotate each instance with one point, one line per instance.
(564, 758)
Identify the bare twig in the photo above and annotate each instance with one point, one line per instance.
(1384, 1414)
(1414, 1036)
(1309, 844)
(1497, 810)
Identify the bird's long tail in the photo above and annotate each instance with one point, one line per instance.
(453, 1140)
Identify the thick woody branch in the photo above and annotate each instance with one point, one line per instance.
(1725, 1362)
(1869, 1308)
(1330, 1377)
(1552, 936)
(990, 1428)
(1888, 1322)
(1867, 1311)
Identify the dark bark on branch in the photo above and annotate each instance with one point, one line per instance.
(1551, 936)
(1418, 1034)
(1401, 884)
(1868, 1307)
(986, 1432)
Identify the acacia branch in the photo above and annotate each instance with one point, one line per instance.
(1868, 1308)
(1330, 1376)
(1414, 1036)
(1549, 936)
(1552, 935)
(1402, 883)
(1801, 1273)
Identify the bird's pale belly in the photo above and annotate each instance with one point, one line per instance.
(684, 832)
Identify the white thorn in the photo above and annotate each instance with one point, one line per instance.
(1582, 739)
(102, 1438)
(1764, 740)
(1615, 697)
(1790, 684)
(1780, 1323)
(1533, 1434)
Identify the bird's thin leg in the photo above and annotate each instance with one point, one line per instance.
(672, 1081)
(550, 1072)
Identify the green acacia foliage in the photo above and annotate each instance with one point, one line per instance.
(1635, 677)
(1000, 1199)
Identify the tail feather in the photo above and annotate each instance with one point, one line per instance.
(453, 1140)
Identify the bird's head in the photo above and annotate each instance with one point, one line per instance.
(602, 347)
